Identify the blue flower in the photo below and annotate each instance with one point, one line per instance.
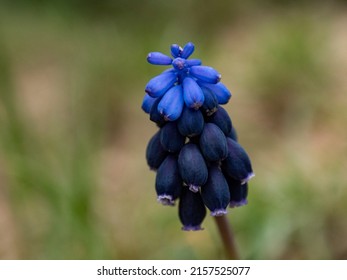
(195, 152)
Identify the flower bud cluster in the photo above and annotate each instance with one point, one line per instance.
(195, 152)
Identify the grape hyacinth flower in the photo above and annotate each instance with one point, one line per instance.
(195, 150)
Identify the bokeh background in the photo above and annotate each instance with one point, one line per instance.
(74, 183)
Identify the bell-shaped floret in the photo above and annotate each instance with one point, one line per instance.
(193, 62)
(154, 114)
(215, 193)
(176, 50)
(192, 94)
(155, 153)
(188, 49)
(191, 210)
(233, 134)
(170, 138)
(213, 143)
(168, 183)
(222, 120)
(220, 90)
(171, 104)
(158, 85)
(237, 164)
(147, 103)
(158, 58)
(192, 167)
(191, 122)
(238, 192)
(205, 74)
(210, 103)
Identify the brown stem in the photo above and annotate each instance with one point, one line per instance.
(227, 235)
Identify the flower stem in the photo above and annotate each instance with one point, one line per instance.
(227, 236)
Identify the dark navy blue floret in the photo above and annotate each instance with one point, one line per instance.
(215, 193)
(168, 183)
(192, 167)
(238, 192)
(222, 120)
(213, 143)
(191, 122)
(170, 138)
(155, 153)
(237, 164)
(191, 210)
(210, 104)
(154, 114)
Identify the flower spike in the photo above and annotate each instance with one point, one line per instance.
(194, 152)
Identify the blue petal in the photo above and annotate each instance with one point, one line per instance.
(193, 62)
(215, 193)
(158, 85)
(171, 104)
(191, 210)
(176, 50)
(158, 58)
(205, 73)
(220, 90)
(192, 94)
(188, 49)
(147, 103)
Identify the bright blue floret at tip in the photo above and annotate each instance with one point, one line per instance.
(186, 72)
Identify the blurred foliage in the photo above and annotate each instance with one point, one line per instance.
(73, 180)
(290, 74)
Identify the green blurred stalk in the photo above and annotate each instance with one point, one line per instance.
(227, 236)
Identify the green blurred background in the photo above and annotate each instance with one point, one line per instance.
(74, 183)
